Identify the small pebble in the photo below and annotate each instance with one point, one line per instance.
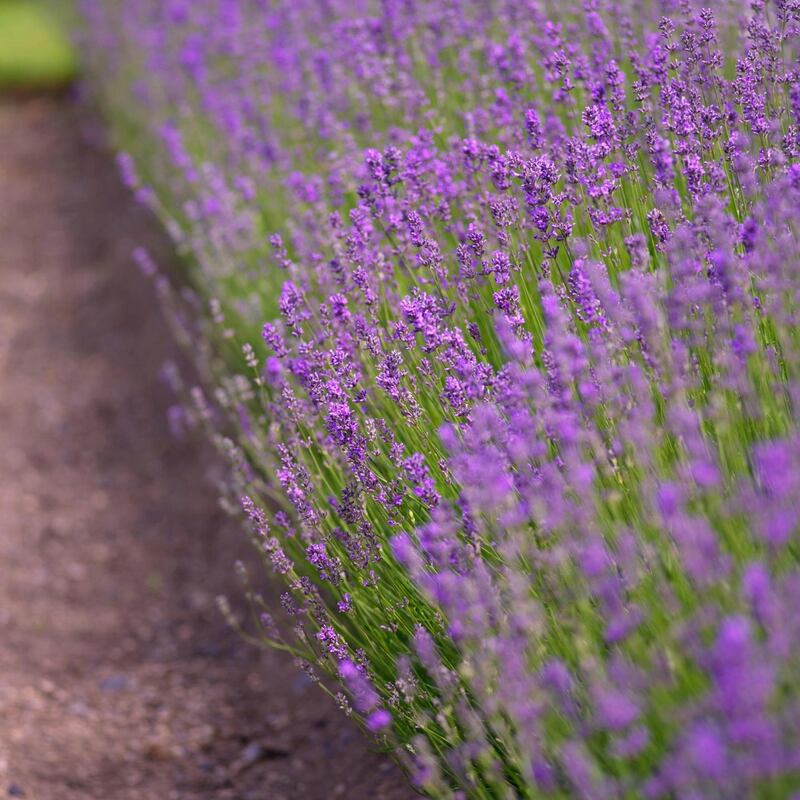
(113, 683)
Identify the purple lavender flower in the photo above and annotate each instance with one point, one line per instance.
(520, 434)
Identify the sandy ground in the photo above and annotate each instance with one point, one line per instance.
(118, 677)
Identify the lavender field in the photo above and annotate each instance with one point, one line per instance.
(496, 308)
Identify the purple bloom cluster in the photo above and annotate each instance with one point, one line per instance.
(521, 431)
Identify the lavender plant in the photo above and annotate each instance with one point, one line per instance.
(497, 305)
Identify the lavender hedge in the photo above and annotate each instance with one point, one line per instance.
(497, 306)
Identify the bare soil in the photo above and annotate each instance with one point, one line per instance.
(118, 677)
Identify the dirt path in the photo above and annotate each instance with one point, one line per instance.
(118, 678)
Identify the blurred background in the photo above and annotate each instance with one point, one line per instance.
(35, 54)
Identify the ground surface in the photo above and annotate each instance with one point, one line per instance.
(118, 678)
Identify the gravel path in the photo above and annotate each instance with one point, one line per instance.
(118, 679)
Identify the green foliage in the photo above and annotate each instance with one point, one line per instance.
(34, 54)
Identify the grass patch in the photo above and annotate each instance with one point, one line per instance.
(34, 54)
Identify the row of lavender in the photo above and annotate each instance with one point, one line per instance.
(497, 304)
